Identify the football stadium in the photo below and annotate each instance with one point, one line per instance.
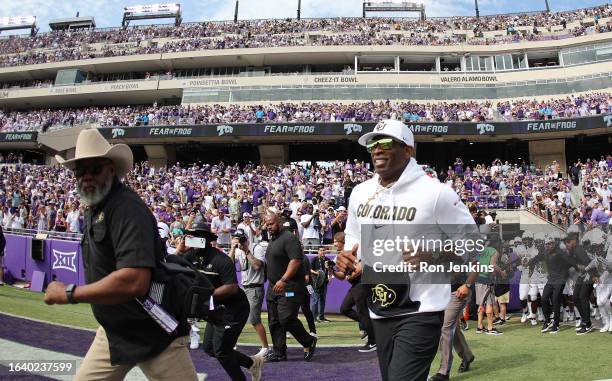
(398, 193)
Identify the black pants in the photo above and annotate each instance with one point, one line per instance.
(219, 342)
(283, 318)
(356, 296)
(551, 296)
(407, 345)
(308, 312)
(582, 292)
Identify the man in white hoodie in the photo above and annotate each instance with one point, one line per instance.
(407, 318)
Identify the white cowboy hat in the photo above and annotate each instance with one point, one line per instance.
(91, 144)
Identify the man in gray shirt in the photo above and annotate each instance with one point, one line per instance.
(252, 273)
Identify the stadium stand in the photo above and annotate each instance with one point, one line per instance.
(572, 106)
(60, 46)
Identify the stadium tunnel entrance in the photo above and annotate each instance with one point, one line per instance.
(213, 153)
(436, 154)
(584, 147)
(441, 155)
(328, 152)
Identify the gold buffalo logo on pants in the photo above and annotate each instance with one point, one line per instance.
(383, 295)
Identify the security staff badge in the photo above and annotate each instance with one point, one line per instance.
(99, 218)
(383, 295)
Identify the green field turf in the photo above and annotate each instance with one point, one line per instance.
(522, 353)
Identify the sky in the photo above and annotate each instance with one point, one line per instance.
(108, 13)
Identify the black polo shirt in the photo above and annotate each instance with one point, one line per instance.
(281, 249)
(220, 270)
(120, 233)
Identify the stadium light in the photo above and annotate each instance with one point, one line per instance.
(19, 22)
(477, 11)
(299, 9)
(152, 11)
(77, 22)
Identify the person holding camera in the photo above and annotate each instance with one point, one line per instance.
(321, 267)
(338, 224)
(252, 267)
(311, 224)
(249, 229)
(231, 307)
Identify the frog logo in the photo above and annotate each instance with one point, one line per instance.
(383, 295)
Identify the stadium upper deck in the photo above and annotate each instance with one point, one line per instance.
(489, 30)
(457, 58)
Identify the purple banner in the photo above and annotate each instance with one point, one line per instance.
(65, 260)
(14, 257)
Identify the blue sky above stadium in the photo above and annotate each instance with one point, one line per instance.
(108, 13)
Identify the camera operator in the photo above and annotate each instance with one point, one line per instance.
(321, 267)
(252, 267)
(339, 222)
(311, 224)
(249, 229)
(226, 322)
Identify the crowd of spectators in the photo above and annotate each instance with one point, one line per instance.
(44, 198)
(77, 45)
(523, 109)
(582, 195)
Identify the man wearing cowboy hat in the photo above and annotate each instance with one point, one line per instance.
(120, 247)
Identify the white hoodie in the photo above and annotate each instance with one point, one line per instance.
(432, 203)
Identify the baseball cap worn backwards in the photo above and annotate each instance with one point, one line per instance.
(391, 128)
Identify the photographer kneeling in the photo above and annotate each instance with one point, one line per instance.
(231, 307)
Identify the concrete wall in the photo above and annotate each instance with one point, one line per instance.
(543, 152)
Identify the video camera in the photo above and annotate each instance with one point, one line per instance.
(241, 235)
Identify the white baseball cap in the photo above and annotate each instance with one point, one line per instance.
(392, 128)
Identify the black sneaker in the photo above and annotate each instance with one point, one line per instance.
(308, 355)
(367, 348)
(497, 321)
(464, 325)
(547, 326)
(554, 329)
(273, 357)
(584, 330)
(481, 330)
(364, 335)
(493, 332)
(324, 320)
(438, 377)
(465, 365)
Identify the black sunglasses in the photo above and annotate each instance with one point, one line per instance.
(94, 170)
